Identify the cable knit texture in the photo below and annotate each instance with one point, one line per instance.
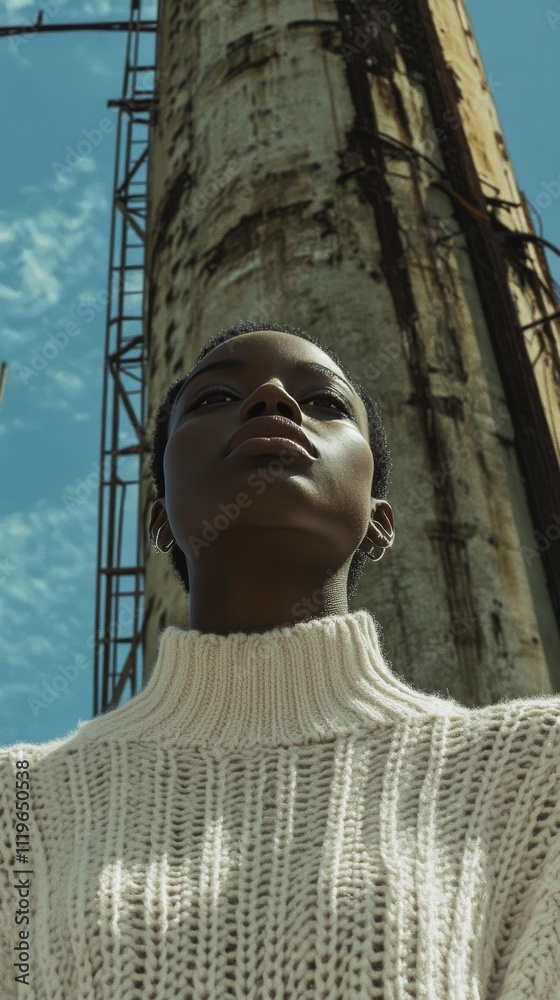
(278, 816)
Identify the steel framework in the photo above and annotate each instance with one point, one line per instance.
(120, 569)
(119, 557)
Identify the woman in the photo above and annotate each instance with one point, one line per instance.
(298, 531)
(276, 814)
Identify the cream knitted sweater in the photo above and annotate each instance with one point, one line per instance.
(279, 816)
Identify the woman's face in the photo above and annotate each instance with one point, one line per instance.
(225, 509)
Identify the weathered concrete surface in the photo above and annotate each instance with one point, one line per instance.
(285, 186)
(488, 147)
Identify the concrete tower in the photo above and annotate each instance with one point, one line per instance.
(340, 167)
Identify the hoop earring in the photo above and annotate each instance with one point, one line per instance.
(374, 546)
(373, 558)
(156, 546)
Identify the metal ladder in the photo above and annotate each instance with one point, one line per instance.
(120, 563)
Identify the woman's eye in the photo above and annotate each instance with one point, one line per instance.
(334, 399)
(209, 393)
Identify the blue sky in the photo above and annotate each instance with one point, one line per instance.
(54, 243)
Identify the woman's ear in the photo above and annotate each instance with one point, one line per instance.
(382, 514)
(158, 517)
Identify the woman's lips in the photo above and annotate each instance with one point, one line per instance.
(271, 427)
(270, 446)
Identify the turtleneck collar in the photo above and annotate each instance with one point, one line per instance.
(306, 683)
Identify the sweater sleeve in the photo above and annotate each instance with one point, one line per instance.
(533, 971)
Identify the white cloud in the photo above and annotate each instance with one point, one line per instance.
(15, 528)
(25, 425)
(37, 278)
(63, 573)
(55, 403)
(6, 234)
(86, 164)
(62, 182)
(16, 688)
(16, 424)
(67, 381)
(108, 8)
(60, 10)
(14, 338)
(16, 5)
(9, 293)
(41, 567)
(95, 65)
(55, 248)
(46, 570)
